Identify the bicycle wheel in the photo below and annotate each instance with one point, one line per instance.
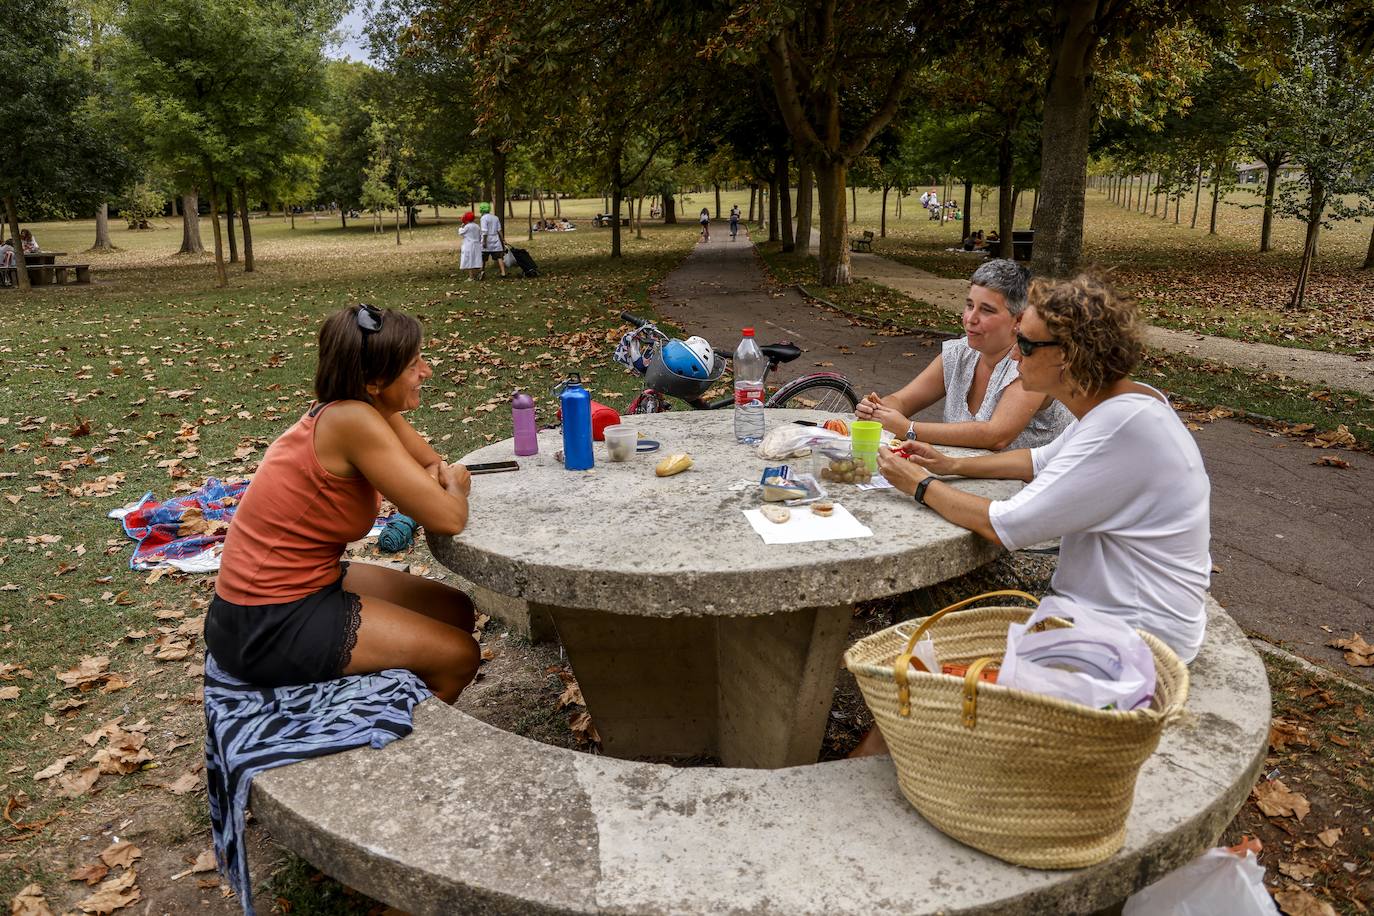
(821, 391)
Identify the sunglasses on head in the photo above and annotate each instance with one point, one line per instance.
(369, 319)
(1028, 346)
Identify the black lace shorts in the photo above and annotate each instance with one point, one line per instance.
(278, 645)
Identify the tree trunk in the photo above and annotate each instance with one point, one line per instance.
(1369, 255)
(1155, 208)
(1316, 208)
(789, 241)
(717, 187)
(529, 220)
(12, 219)
(1067, 122)
(498, 179)
(805, 180)
(102, 228)
(397, 210)
(773, 208)
(854, 199)
(1006, 206)
(882, 220)
(221, 276)
(343, 217)
(968, 207)
(229, 224)
(616, 177)
(639, 218)
(669, 209)
(436, 213)
(247, 230)
(834, 253)
(752, 189)
(1197, 195)
(1216, 193)
(1267, 224)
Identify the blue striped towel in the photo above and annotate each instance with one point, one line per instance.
(250, 729)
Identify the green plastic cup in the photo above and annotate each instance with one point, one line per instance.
(864, 436)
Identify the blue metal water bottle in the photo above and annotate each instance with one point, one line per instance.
(576, 405)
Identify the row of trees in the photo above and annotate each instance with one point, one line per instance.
(232, 100)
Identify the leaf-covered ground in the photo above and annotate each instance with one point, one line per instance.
(1187, 278)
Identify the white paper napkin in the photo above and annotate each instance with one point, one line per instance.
(803, 526)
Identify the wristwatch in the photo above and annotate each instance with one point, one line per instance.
(920, 494)
(911, 432)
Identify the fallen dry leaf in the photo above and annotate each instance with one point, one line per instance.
(1301, 903)
(1298, 871)
(1330, 836)
(572, 696)
(123, 754)
(1327, 461)
(114, 894)
(9, 693)
(30, 902)
(1277, 800)
(204, 862)
(91, 669)
(120, 854)
(583, 728)
(104, 731)
(76, 784)
(1358, 653)
(92, 874)
(53, 769)
(186, 782)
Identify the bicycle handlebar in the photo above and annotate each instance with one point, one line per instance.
(634, 319)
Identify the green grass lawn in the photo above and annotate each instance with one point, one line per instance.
(1185, 278)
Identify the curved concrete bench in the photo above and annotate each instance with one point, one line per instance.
(461, 817)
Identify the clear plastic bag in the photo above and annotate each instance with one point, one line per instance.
(1221, 880)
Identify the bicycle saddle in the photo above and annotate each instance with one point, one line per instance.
(781, 353)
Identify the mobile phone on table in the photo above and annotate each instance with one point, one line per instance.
(492, 467)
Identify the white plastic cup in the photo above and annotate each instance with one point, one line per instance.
(620, 442)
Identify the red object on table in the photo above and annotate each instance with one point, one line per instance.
(602, 417)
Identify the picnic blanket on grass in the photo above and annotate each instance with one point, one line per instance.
(250, 729)
(182, 527)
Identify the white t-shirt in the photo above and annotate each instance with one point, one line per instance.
(1126, 490)
(491, 232)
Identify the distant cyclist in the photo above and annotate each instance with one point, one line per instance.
(705, 220)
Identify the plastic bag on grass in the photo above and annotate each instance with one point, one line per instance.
(1100, 661)
(1221, 880)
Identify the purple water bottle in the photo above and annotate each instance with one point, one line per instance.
(526, 430)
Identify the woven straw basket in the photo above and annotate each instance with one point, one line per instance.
(1030, 779)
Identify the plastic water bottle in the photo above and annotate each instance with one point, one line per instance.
(523, 422)
(750, 366)
(576, 404)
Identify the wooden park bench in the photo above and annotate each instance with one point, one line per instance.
(1022, 241)
(863, 242)
(81, 273)
(605, 219)
(481, 820)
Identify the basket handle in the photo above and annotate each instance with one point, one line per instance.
(906, 658)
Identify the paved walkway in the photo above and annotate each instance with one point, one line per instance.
(1291, 541)
(1322, 370)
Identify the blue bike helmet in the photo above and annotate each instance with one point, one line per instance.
(679, 357)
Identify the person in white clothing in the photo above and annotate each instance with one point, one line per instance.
(470, 252)
(493, 242)
(1123, 486)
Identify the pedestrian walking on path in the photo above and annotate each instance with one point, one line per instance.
(705, 220)
(734, 221)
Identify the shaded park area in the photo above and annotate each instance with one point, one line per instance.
(660, 703)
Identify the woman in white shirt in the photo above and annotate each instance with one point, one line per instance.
(986, 406)
(1123, 486)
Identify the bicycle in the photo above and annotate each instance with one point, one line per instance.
(828, 391)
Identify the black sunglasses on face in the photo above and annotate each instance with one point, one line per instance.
(1028, 346)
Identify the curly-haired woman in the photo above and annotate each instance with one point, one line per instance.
(286, 610)
(1123, 485)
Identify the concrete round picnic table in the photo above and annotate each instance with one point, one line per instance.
(687, 633)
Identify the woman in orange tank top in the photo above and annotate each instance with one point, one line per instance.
(286, 610)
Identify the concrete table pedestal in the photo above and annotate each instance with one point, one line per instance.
(688, 635)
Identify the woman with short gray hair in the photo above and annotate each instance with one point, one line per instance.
(985, 403)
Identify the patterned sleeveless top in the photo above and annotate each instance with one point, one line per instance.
(960, 360)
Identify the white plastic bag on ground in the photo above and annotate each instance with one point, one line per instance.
(1100, 661)
(1221, 880)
